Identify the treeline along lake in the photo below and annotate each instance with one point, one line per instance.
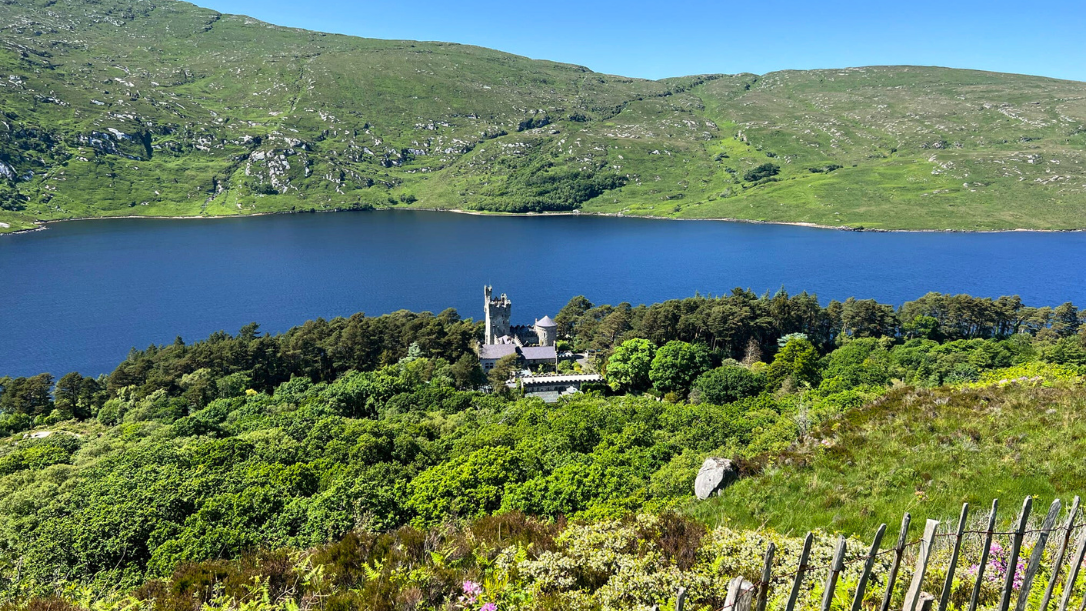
(78, 296)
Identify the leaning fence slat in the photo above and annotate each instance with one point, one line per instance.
(1073, 568)
(861, 587)
(767, 576)
(680, 599)
(1012, 558)
(800, 572)
(926, 601)
(1058, 562)
(948, 585)
(1034, 563)
(835, 571)
(922, 557)
(984, 556)
(899, 551)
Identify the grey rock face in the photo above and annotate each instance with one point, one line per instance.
(715, 475)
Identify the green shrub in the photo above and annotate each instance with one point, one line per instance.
(762, 172)
(727, 384)
(467, 487)
(1035, 372)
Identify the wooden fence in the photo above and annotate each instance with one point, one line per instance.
(744, 595)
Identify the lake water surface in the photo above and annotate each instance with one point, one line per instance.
(79, 295)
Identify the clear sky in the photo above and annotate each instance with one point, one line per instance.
(660, 38)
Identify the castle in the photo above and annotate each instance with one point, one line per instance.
(533, 344)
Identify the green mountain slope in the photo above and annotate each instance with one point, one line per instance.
(129, 107)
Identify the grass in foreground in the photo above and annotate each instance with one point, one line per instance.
(921, 451)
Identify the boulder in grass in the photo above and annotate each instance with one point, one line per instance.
(715, 475)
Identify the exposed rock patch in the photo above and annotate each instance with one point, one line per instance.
(715, 475)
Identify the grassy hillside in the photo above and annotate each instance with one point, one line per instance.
(925, 451)
(123, 107)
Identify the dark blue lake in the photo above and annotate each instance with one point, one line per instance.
(79, 295)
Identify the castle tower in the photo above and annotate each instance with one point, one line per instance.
(546, 330)
(498, 311)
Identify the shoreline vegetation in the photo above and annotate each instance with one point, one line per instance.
(44, 225)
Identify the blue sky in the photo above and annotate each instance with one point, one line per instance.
(655, 39)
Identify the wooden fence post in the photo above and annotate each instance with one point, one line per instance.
(949, 583)
(1072, 573)
(767, 576)
(984, 556)
(1016, 548)
(1034, 563)
(800, 571)
(680, 599)
(861, 587)
(740, 595)
(835, 570)
(1058, 562)
(899, 550)
(922, 557)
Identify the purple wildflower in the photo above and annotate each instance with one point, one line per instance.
(996, 571)
(472, 591)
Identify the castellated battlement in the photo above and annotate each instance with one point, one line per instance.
(498, 311)
(533, 344)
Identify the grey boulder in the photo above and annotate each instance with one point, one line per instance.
(715, 475)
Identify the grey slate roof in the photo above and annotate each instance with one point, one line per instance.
(496, 351)
(539, 353)
(546, 322)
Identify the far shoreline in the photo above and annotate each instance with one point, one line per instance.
(44, 225)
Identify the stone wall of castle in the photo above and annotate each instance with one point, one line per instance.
(498, 312)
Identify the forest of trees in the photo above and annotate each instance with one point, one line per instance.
(730, 324)
(538, 187)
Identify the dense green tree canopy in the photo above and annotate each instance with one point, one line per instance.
(629, 365)
(727, 384)
(677, 364)
(797, 361)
